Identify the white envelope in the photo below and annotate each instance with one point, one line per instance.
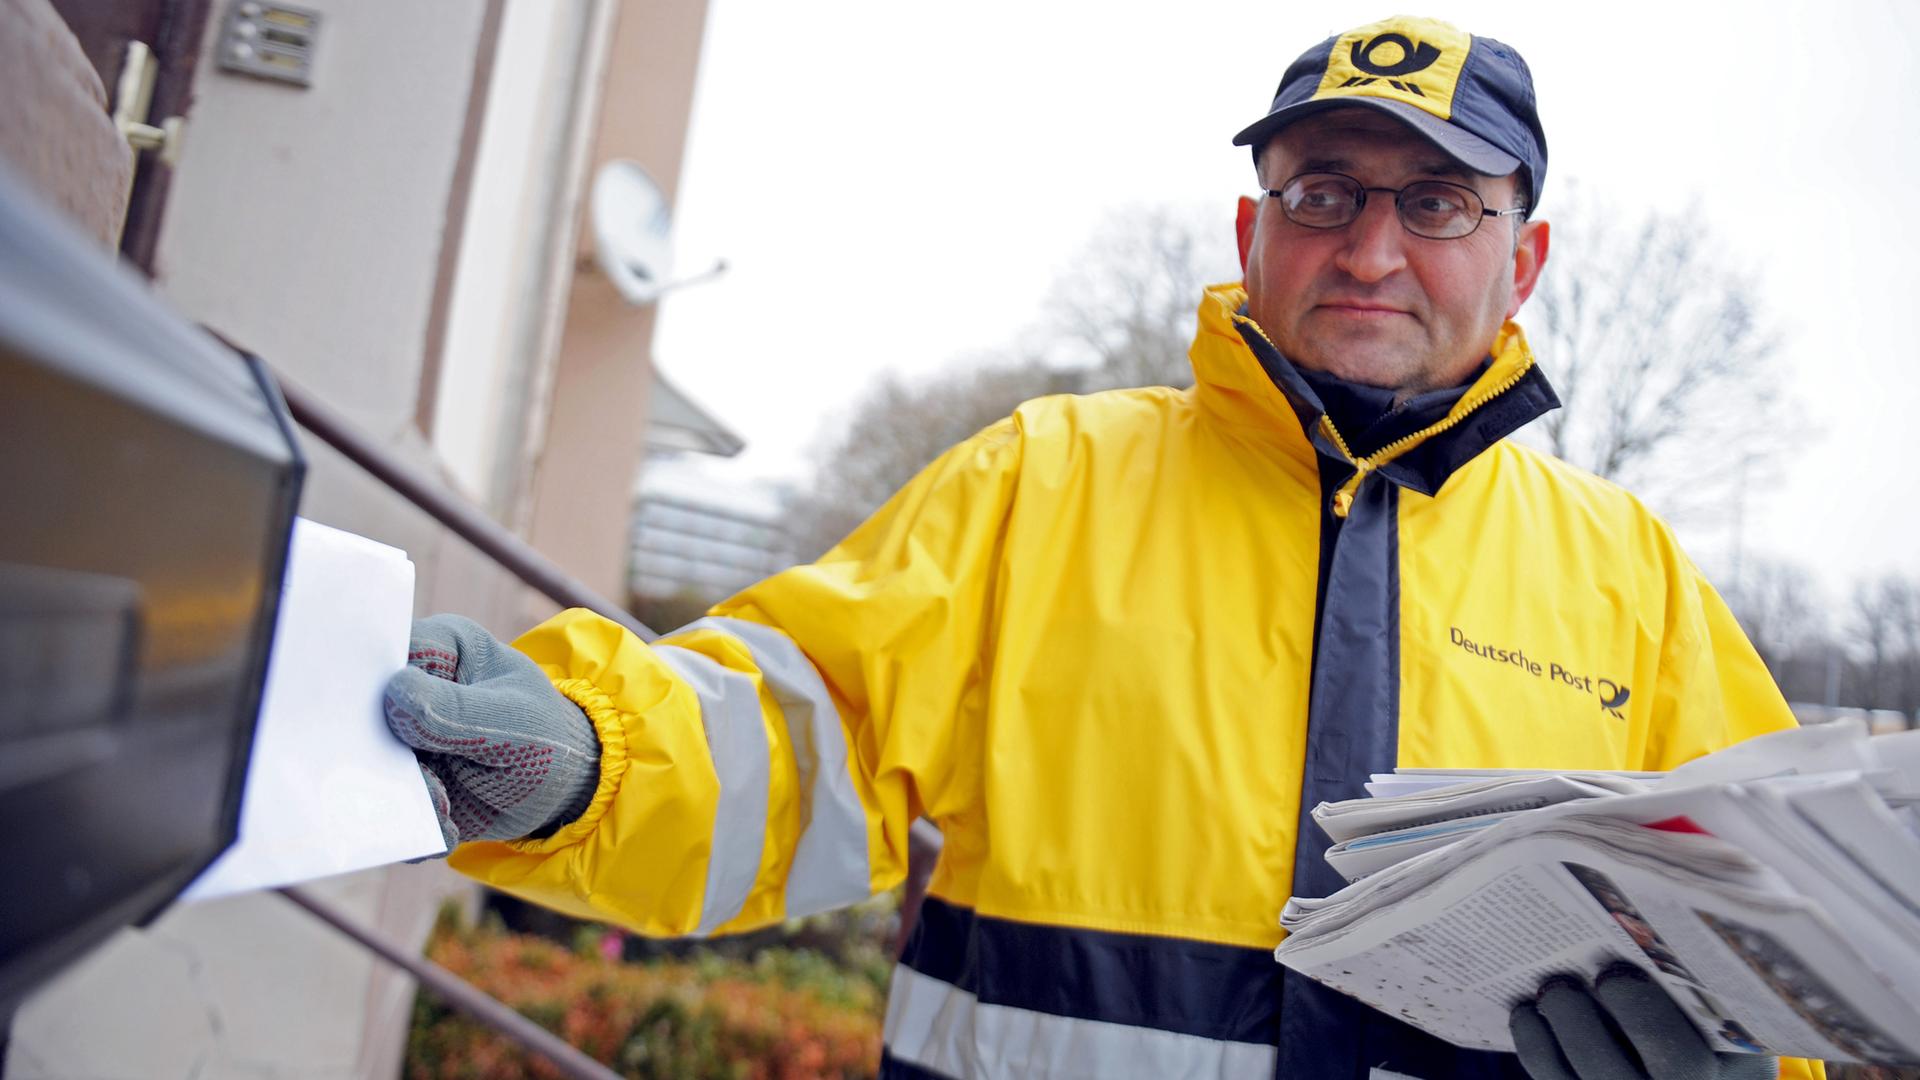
(329, 789)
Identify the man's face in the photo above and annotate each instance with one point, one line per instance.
(1370, 302)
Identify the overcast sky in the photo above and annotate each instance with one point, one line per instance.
(897, 185)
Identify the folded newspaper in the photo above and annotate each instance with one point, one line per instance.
(1773, 888)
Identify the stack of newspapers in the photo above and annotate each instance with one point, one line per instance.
(1772, 888)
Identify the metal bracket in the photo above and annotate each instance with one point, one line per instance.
(134, 97)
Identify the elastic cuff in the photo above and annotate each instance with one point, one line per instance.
(609, 724)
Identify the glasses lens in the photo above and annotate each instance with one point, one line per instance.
(1439, 210)
(1321, 200)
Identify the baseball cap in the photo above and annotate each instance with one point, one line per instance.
(1470, 96)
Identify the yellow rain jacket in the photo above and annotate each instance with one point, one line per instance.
(1115, 646)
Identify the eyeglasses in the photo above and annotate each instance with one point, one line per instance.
(1435, 209)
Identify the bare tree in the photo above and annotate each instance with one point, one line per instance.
(1786, 615)
(1124, 317)
(1886, 638)
(1128, 312)
(1869, 658)
(895, 429)
(1660, 354)
(1780, 607)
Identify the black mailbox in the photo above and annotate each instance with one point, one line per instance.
(148, 482)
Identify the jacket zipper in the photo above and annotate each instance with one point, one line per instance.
(1343, 496)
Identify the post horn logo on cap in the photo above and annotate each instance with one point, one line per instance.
(1470, 96)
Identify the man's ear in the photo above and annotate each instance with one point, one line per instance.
(1243, 228)
(1529, 258)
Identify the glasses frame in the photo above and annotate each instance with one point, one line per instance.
(1399, 206)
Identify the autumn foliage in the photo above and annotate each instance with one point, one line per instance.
(783, 1015)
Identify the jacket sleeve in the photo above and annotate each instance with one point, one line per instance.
(766, 761)
(1713, 688)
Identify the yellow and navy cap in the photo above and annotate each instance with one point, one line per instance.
(1470, 96)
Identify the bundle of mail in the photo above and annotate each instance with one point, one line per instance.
(1772, 888)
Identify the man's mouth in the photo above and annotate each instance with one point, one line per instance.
(1361, 309)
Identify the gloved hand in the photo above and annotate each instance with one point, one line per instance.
(1625, 1028)
(505, 755)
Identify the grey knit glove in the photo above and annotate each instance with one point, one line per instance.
(504, 754)
(1625, 1028)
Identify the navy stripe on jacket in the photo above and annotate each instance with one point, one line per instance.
(1198, 988)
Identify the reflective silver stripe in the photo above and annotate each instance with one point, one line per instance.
(737, 742)
(830, 867)
(944, 1029)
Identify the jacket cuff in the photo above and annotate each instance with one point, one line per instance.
(610, 725)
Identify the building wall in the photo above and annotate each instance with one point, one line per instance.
(518, 220)
(306, 223)
(591, 449)
(362, 239)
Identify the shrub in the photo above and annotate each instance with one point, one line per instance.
(786, 1014)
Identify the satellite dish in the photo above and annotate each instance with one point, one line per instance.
(632, 227)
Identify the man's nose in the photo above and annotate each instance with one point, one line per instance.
(1376, 242)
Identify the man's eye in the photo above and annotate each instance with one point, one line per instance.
(1438, 205)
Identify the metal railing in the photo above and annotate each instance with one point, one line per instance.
(540, 573)
(458, 515)
(460, 994)
(520, 559)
